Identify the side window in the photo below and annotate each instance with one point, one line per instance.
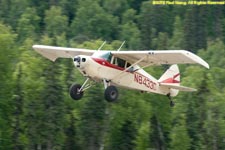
(119, 62)
(128, 65)
(131, 69)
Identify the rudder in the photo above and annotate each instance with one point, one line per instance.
(171, 76)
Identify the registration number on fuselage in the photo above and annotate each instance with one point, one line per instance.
(142, 80)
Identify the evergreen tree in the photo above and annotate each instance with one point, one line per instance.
(28, 24)
(7, 63)
(154, 17)
(94, 23)
(92, 121)
(195, 29)
(179, 135)
(18, 100)
(129, 31)
(177, 40)
(116, 8)
(11, 10)
(56, 23)
(161, 42)
(142, 139)
(146, 25)
(126, 121)
(69, 8)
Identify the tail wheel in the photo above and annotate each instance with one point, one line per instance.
(75, 93)
(111, 93)
(172, 104)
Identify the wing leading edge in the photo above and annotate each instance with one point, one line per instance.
(53, 52)
(160, 57)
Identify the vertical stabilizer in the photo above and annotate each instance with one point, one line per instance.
(171, 76)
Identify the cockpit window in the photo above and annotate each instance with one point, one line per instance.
(119, 62)
(105, 55)
(112, 59)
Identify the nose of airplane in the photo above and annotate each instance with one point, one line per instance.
(80, 61)
(76, 59)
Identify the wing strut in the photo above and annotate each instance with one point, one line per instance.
(121, 45)
(101, 46)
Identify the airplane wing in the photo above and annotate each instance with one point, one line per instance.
(159, 57)
(53, 52)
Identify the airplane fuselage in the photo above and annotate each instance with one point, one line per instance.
(98, 68)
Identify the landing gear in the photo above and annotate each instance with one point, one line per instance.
(172, 103)
(111, 93)
(75, 91)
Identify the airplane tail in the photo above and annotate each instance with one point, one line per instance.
(171, 80)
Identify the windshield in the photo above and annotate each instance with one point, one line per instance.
(105, 55)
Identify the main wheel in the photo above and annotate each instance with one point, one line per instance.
(75, 93)
(111, 93)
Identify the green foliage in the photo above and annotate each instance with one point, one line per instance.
(92, 120)
(179, 135)
(7, 59)
(116, 7)
(126, 119)
(56, 23)
(93, 22)
(28, 24)
(195, 29)
(36, 111)
(129, 30)
(177, 40)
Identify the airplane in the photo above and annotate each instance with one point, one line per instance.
(124, 69)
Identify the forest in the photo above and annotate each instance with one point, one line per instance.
(37, 113)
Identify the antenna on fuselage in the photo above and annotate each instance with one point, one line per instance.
(121, 45)
(101, 45)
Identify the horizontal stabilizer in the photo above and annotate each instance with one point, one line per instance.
(178, 87)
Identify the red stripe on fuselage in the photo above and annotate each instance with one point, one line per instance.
(103, 62)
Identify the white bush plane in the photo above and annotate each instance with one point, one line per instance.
(124, 69)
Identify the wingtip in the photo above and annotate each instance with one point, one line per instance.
(206, 65)
(35, 47)
(198, 59)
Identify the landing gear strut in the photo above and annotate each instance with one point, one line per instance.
(77, 91)
(172, 104)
